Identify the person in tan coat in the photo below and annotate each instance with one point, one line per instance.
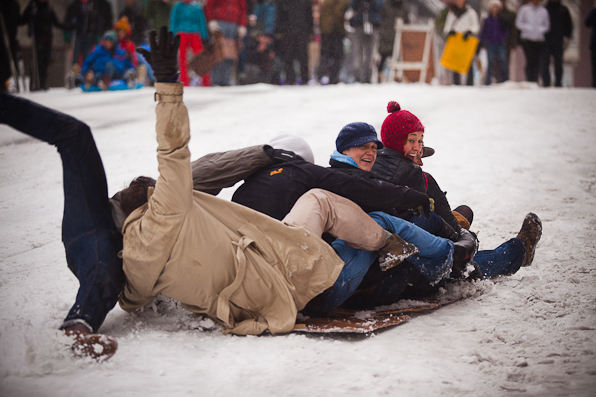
(245, 270)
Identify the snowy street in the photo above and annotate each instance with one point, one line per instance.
(503, 150)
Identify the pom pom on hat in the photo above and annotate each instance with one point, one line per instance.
(397, 126)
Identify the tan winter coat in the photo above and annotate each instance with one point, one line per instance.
(245, 270)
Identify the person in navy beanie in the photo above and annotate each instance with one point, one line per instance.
(356, 134)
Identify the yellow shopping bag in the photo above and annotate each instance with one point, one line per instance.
(459, 53)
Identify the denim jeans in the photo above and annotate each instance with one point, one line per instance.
(433, 261)
(496, 55)
(90, 238)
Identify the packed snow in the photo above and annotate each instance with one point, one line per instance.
(504, 150)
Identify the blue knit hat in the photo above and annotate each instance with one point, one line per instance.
(356, 134)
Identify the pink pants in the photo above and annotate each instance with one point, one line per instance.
(192, 41)
(322, 211)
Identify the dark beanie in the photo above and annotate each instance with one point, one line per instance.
(397, 126)
(356, 134)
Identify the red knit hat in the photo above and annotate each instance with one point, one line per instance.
(397, 126)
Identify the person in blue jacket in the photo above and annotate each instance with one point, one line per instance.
(187, 20)
(107, 63)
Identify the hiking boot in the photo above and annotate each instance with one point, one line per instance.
(130, 77)
(88, 344)
(395, 251)
(530, 234)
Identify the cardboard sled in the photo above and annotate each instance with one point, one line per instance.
(459, 53)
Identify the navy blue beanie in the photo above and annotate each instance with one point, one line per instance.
(356, 134)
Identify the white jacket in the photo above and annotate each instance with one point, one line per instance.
(468, 21)
(533, 22)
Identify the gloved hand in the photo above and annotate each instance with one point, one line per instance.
(280, 155)
(467, 34)
(421, 202)
(451, 33)
(213, 26)
(241, 31)
(163, 56)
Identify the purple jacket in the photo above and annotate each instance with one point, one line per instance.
(494, 31)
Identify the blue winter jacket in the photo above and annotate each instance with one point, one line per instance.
(265, 13)
(100, 57)
(188, 18)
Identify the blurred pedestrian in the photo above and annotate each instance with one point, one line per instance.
(89, 19)
(138, 23)
(512, 40)
(331, 23)
(461, 18)
(366, 22)
(492, 37)
(295, 28)
(157, 14)
(9, 14)
(556, 40)
(188, 21)
(533, 22)
(392, 10)
(229, 17)
(591, 23)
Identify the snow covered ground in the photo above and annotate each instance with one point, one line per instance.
(504, 151)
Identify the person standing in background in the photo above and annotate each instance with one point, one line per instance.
(295, 27)
(533, 22)
(591, 23)
(9, 12)
(188, 21)
(137, 21)
(512, 40)
(157, 14)
(463, 19)
(556, 40)
(392, 10)
(492, 37)
(366, 21)
(331, 23)
(228, 16)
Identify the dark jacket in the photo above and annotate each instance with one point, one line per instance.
(560, 22)
(275, 189)
(366, 10)
(138, 22)
(41, 18)
(294, 17)
(92, 18)
(392, 166)
(391, 11)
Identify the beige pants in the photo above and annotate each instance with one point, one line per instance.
(322, 211)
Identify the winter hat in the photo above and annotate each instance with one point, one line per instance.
(111, 35)
(397, 126)
(123, 24)
(494, 3)
(356, 134)
(293, 143)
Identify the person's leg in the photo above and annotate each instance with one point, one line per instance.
(506, 259)
(593, 55)
(490, 54)
(337, 57)
(557, 51)
(321, 211)
(502, 57)
(90, 238)
(357, 52)
(182, 64)
(545, 64)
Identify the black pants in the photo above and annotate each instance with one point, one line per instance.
(44, 57)
(593, 53)
(295, 47)
(533, 51)
(552, 49)
(332, 55)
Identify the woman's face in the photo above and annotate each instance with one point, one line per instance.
(364, 155)
(413, 144)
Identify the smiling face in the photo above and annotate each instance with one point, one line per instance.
(413, 144)
(364, 155)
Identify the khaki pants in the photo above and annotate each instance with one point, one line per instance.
(322, 211)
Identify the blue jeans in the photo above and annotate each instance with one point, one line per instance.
(496, 53)
(434, 261)
(220, 74)
(506, 259)
(90, 238)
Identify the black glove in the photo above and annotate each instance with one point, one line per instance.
(467, 34)
(421, 202)
(451, 33)
(163, 57)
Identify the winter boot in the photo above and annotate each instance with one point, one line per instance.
(96, 346)
(130, 77)
(395, 251)
(530, 234)
(465, 248)
(142, 74)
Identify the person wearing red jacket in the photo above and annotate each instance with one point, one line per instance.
(228, 16)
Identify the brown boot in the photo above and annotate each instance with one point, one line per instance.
(395, 251)
(530, 234)
(96, 346)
